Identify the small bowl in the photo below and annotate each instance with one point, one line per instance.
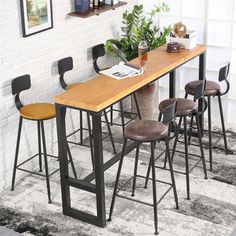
(173, 47)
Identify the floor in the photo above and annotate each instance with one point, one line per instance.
(210, 212)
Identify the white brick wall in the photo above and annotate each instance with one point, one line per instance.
(37, 55)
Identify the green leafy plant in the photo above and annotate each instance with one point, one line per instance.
(135, 25)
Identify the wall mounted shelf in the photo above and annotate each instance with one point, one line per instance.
(98, 10)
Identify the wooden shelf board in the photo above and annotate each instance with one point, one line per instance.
(98, 10)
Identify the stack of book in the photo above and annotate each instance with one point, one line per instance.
(189, 41)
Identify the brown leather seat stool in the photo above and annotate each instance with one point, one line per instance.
(149, 131)
(213, 89)
(188, 108)
(65, 65)
(38, 112)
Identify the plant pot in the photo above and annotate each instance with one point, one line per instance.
(145, 97)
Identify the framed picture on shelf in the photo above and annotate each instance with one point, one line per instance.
(36, 16)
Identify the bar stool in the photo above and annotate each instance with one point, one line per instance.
(188, 108)
(38, 112)
(149, 131)
(65, 65)
(213, 89)
(97, 52)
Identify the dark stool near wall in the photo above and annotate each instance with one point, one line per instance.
(213, 89)
(149, 131)
(188, 108)
(97, 52)
(38, 112)
(65, 65)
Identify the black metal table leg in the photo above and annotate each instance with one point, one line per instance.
(99, 173)
(62, 148)
(202, 76)
(172, 82)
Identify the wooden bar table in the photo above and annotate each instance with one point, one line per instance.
(96, 95)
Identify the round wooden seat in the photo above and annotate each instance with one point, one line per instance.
(212, 88)
(38, 111)
(146, 131)
(185, 107)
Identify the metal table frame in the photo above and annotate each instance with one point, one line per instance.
(85, 184)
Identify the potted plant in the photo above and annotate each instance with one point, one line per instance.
(136, 25)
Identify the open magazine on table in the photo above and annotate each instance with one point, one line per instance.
(122, 71)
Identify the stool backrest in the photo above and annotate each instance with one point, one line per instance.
(64, 65)
(200, 89)
(223, 74)
(97, 51)
(199, 95)
(18, 85)
(169, 113)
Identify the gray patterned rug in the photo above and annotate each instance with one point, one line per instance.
(211, 210)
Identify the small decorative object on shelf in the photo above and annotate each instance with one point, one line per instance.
(179, 34)
(179, 30)
(111, 2)
(81, 6)
(87, 8)
(173, 47)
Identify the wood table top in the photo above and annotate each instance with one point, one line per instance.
(102, 91)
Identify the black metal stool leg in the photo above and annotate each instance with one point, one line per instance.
(81, 126)
(137, 106)
(16, 153)
(172, 175)
(39, 146)
(186, 95)
(46, 163)
(186, 157)
(148, 173)
(159, 117)
(148, 170)
(111, 115)
(223, 124)
(117, 179)
(154, 188)
(122, 117)
(71, 161)
(190, 130)
(90, 140)
(176, 139)
(201, 146)
(175, 144)
(135, 169)
(209, 131)
(110, 133)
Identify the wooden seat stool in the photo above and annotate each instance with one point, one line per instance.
(38, 112)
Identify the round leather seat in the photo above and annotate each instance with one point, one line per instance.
(146, 131)
(212, 88)
(38, 111)
(185, 107)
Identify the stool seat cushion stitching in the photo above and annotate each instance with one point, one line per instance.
(38, 111)
(185, 107)
(146, 131)
(212, 88)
